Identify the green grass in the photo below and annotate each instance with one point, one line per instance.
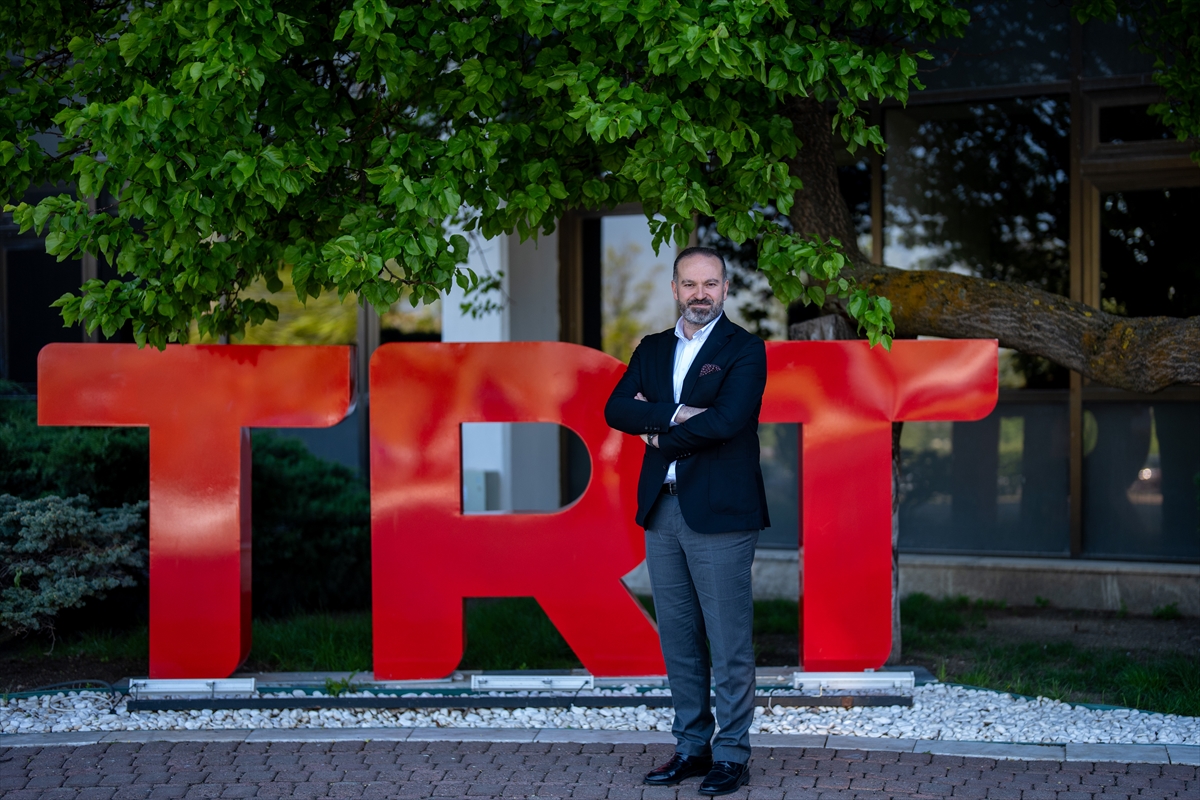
(928, 624)
(1167, 683)
(513, 633)
(101, 645)
(951, 632)
(313, 643)
(776, 617)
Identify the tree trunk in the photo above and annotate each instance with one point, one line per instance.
(819, 209)
(1141, 354)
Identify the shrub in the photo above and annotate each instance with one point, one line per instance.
(311, 517)
(312, 531)
(109, 465)
(57, 553)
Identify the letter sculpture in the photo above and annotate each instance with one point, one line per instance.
(198, 402)
(427, 555)
(847, 395)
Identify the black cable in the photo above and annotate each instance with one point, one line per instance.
(69, 684)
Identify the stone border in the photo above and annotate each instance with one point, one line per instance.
(1120, 753)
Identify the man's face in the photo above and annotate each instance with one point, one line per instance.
(699, 290)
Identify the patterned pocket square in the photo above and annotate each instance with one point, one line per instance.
(708, 369)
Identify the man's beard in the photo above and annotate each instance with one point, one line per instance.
(701, 314)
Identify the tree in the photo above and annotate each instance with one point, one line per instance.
(228, 139)
(222, 142)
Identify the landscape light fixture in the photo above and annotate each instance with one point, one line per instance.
(180, 686)
(820, 681)
(532, 683)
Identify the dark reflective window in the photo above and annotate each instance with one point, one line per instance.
(981, 188)
(1020, 41)
(1149, 264)
(1141, 480)
(780, 459)
(1141, 466)
(33, 280)
(1119, 124)
(1111, 48)
(999, 485)
(854, 180)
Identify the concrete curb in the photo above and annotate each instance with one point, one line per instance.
(1117, 753)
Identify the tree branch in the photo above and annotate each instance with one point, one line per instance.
(1140, 354)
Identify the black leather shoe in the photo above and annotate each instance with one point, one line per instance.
(679, 768)
(725, 777)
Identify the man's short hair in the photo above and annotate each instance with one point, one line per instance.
(687, 252)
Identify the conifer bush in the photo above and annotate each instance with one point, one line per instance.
(57, 553)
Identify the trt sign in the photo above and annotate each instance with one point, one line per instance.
(427, 555)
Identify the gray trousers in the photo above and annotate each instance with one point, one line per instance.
(704, 606)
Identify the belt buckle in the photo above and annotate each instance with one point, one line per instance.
(671, 489)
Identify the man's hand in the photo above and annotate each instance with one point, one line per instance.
(681, 416)
(687, 412)
(649, 438)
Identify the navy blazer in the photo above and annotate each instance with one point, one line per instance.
(720, 481)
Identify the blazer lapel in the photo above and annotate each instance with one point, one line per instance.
(666, 366)
(715, 341)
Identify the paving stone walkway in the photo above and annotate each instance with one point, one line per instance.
(598, 771)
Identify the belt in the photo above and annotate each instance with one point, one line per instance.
(670, 488)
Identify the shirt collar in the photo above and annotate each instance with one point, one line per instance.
(698, 336)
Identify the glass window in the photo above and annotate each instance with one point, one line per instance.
(780, 461)
(320, 320)
(1141, 466)
(405, 322)
(1149, 264)
(33, 280)
(1111, 48)
(982, 189)
(1120, 124)
(999, 485)
(1019, 41)
(636, 285)
(854, 181)
(1141, 473)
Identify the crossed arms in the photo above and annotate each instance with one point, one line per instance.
(737, 401)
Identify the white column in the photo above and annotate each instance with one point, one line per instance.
(533, 317)
(485, 446)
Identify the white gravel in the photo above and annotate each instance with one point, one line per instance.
(938, 712)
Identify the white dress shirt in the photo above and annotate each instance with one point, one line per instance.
(685, 353)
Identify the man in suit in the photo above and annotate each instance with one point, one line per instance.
(693, 394)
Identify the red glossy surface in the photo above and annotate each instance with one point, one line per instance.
(198, 402)
(427, 555)
(847, 395)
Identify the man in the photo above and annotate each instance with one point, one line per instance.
(693, 394)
